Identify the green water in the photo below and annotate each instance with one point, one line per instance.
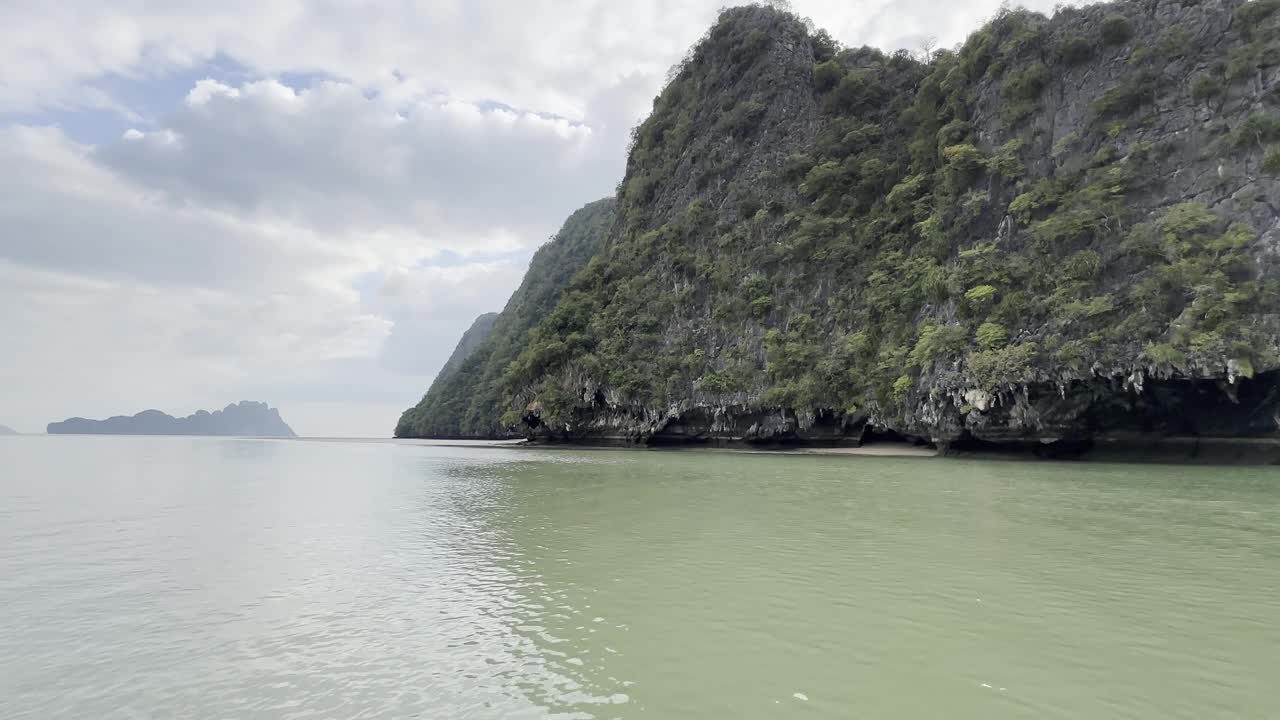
(166, 577)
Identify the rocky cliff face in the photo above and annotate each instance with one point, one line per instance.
(247, 419)
(1065, 231)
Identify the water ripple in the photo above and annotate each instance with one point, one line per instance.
(254, 579)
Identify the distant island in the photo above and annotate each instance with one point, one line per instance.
(6, 430)
(252, 419)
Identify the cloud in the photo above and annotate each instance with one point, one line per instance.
(63, 211)
(549, 55)
(335, 156)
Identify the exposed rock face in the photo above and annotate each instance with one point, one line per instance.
(471, 340)
(249, 419)
(1064, 233)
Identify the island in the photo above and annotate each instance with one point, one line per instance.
(1062, 235)
(247, 419)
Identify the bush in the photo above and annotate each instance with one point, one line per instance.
(1012, 308)
(1008, 166)
(823, 178)
(981, 294)
(1251, 14)
(1073, 50)
(827, 75)
(824, 46)
(954, 133)
(991, 336)
(744, 117)
(1064, 144)
(1083, 265)
(1077, 310)
(1116, 30)
(1010, 365)
(1206, 87)
(1066, 225)
(1243, 62)
(1122, 100)
(937, 285)
(1025, 84)
(1185, 227)
(1256, 131)
(1165, 357)
(859, 91)
(1007, 163)
(1271, 161)
(1174, 43)
(963, 165)
(937, 341)
(963, 155)
(1139, 55)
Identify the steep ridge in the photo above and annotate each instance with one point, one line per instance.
(468, 400)
(471, 340)
(1066, 231)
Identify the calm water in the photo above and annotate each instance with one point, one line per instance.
(207, 578)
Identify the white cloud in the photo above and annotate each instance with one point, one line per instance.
(549, 55)
(334, 156)
(207, 89)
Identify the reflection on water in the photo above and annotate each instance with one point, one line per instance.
(167, 577)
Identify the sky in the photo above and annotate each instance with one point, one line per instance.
(307, 202)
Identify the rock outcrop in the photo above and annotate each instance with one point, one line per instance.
(249, 419)
(1062, 234)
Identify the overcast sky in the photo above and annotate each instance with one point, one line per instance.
(307, 202)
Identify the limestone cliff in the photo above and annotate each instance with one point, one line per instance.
(1066, 230)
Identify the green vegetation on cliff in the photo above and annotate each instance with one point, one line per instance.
(471, 340)
(468, 398)
(818, 230)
